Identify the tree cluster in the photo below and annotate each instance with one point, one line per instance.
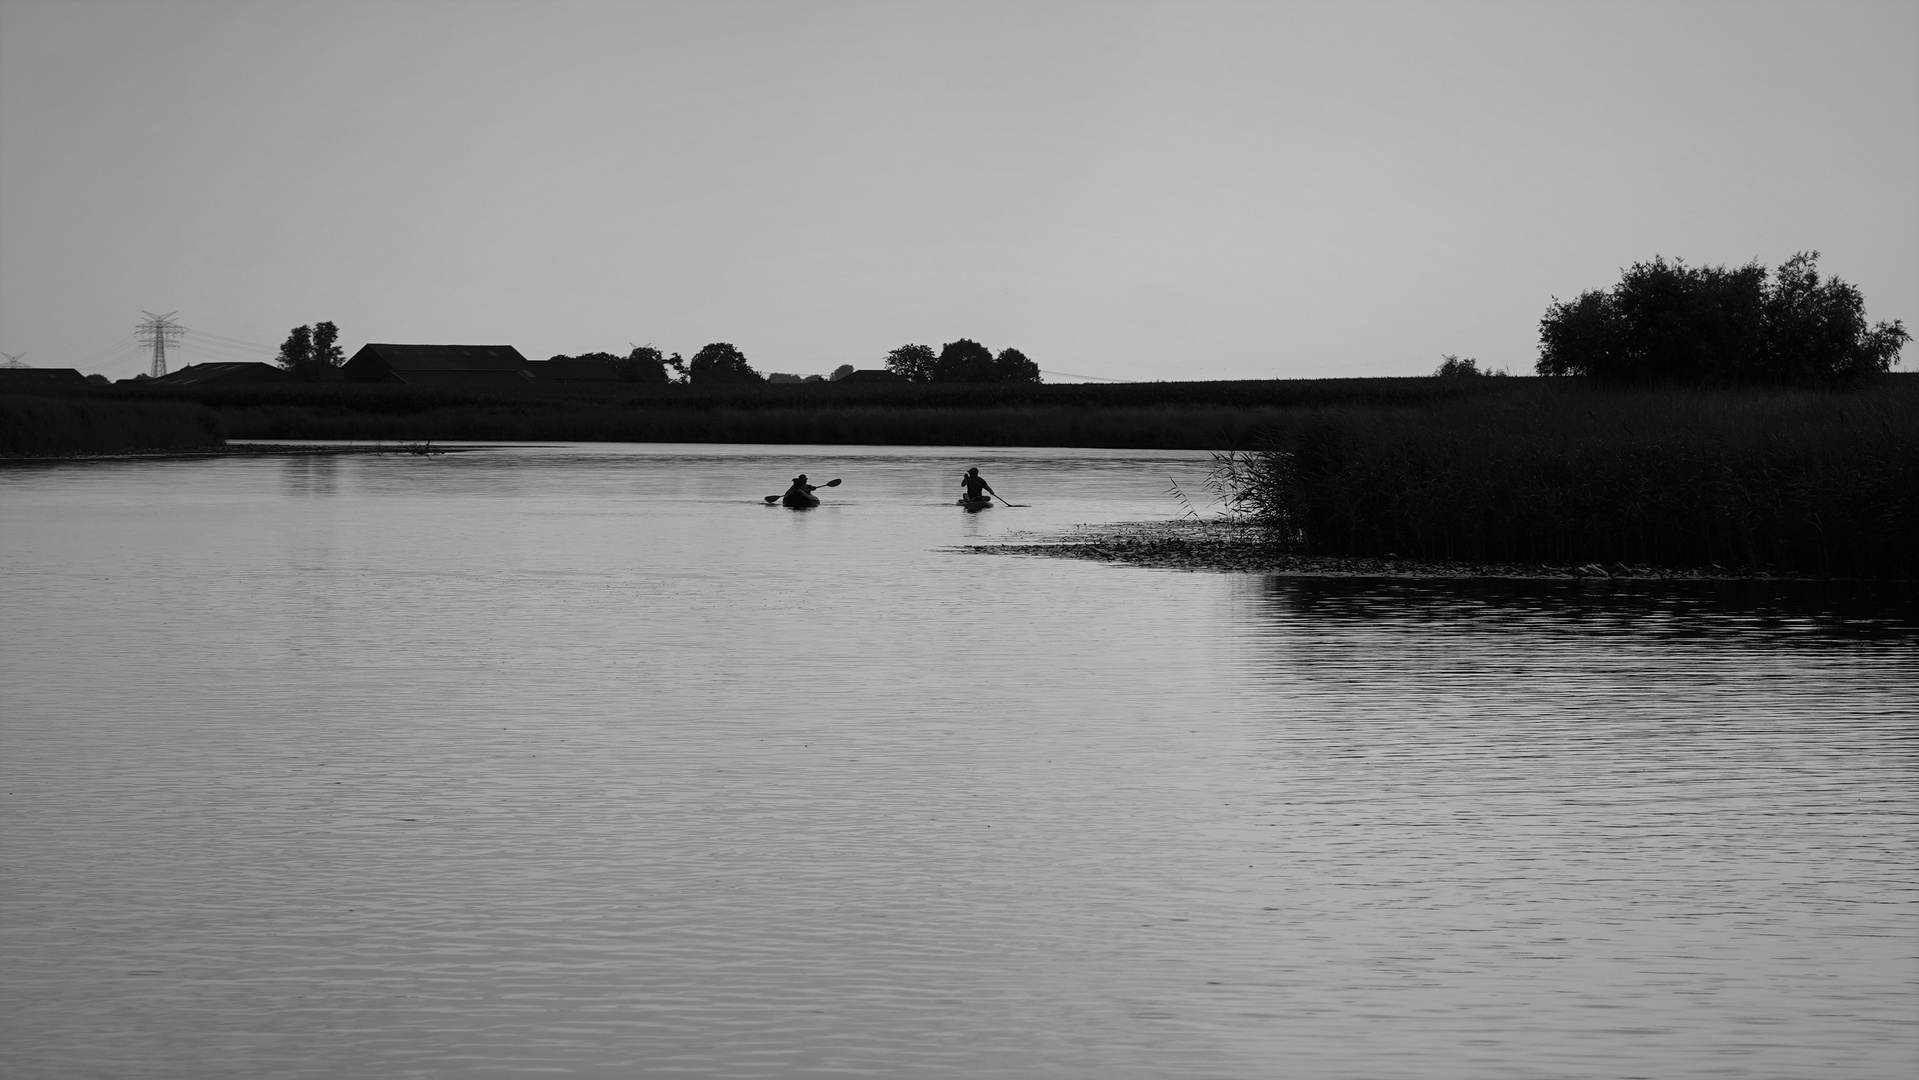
(312, 352)
(962, 361)
(718, 362)
(1669, 322)
(1458, 367)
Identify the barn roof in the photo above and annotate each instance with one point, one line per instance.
(250, 371)
(445, 357)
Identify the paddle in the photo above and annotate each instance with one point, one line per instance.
(835, 482)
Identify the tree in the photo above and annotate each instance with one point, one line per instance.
(643, 365)
(840, 372)
(326, 349)
(312, 352)
(1454, 367)
(720, 362)
(964, 361)
(914, 363)
(1674, 323)
(1012, 366)
(296, 352)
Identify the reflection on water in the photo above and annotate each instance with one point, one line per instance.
(581, 758)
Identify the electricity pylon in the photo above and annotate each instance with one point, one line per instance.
(160, 331)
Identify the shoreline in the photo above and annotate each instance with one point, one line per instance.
(241, 450)
(1240, 547)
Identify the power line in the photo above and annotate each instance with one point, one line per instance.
(1089, 378)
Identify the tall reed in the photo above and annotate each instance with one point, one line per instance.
(32, 425)
(1800, 481)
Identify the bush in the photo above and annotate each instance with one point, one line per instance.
(1668, 322)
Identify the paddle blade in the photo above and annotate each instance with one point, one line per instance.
(835, 482)
(772, 498)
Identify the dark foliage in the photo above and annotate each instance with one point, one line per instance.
(312, 353)
(644, 364)
(86, 425)
(1668, 322)
(1454, 367)
(1803, 481)
(914, 363)
(967, 361)
(720, 362)
(1012, 366)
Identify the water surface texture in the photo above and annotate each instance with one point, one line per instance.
(581, 760)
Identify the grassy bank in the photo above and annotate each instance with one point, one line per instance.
(1792, 481)
(32, 426)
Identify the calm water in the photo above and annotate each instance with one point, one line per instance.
(579, 760)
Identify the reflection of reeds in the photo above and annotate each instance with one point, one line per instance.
(31, 425)
(1781, 480)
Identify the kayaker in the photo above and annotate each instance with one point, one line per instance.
(976, 486)
(800, 488)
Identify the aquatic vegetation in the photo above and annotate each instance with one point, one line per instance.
(1798, 481)
(37, 426)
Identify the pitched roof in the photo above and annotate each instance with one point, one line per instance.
(445, 357)
(250, 371)
(39, 378)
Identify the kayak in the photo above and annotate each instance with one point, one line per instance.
(799, 499)
(974, 504)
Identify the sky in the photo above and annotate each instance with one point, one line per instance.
(1186, 190)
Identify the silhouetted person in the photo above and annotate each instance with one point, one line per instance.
(801, 491)
(975, 485)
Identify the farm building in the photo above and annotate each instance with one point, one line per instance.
(439, 365)
(251, 373)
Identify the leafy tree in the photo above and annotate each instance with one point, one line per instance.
(1671, 322)
(1818, 329)
(312, 352)
(841, 372)
(914, 363)
(1013, 366)
(326, 348)
(720, 362)
(1454, 367)
(964, 361)
(643, 365)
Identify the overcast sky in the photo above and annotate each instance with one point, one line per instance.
(1139, 191)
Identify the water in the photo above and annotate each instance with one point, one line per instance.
(581, 760)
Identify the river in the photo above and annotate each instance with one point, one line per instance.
(583, 760)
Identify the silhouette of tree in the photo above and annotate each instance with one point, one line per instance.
(914, 363)
(1671, 322)
(964, 361)
(720, 362)
(643, 365)
(312, 352)
(841, 372)
(1012, 366)
(1454, 367)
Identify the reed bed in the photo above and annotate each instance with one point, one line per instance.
(1754, 480)
(33, 426)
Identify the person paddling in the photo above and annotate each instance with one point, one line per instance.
(976, 487)
(801, 490)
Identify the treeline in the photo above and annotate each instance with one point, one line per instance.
(1755, 479)
(1666, 322)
